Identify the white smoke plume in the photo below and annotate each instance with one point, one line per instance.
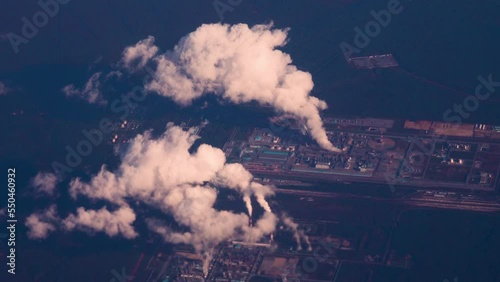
(91, 93)
(261, 192)
(111, 223)
(136, 57)
(164, 174)
(45, 183)
(237, 177)
(241, 64)
(248, 204)
(297, 234)
(207, 257)
(306, 239)
(40, 224)
(263, 203)
(293, 227)
(264, 226)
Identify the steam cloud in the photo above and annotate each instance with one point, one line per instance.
(162, 173)
(239, 63)
(136, 57)
(40, 224)
(45, 183)
(111, 223)
(91, 93)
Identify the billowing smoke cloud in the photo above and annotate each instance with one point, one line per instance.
(40, 224)
(239, 63)
(45, 183)
(164, 174)
(111, 223)
(90, 93)
(136, 57)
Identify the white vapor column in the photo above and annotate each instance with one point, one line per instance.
(240, 64)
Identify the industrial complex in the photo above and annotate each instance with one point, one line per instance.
(426, 164)
(398, 153)
(270, 259)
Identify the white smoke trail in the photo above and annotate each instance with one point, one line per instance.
(207, 258)
(297, 234)
(260, 191)
(292, 226)
(262, 202)
(239, 63)
(306, 239)
(248, 204)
